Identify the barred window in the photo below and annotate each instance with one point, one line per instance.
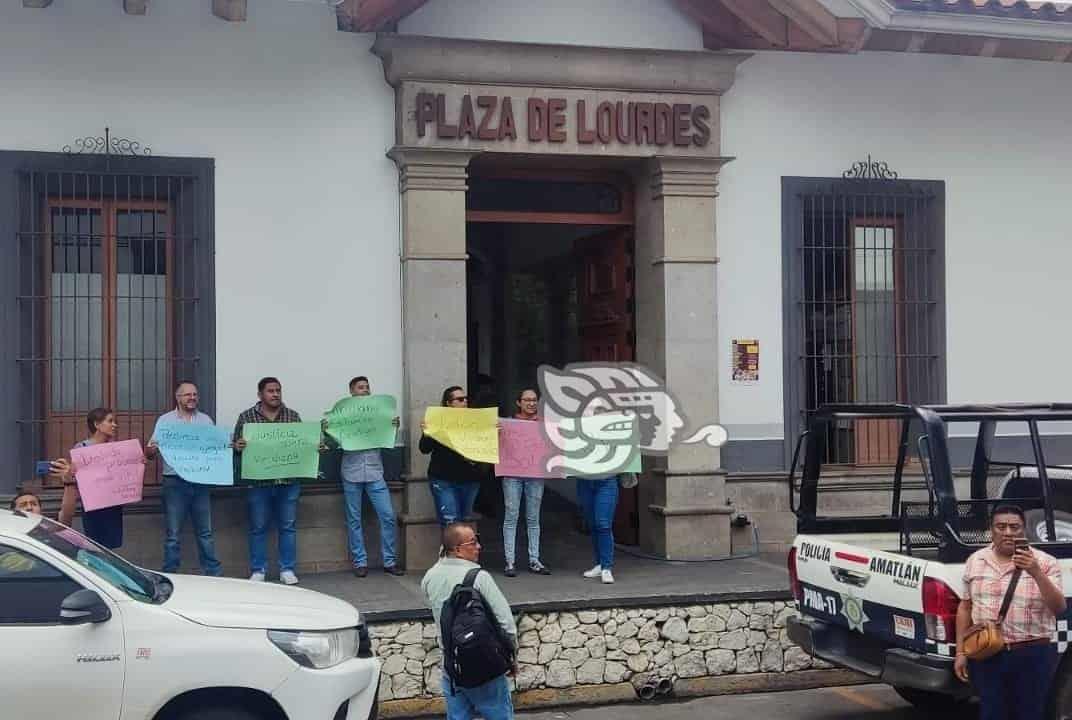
(864, 305)
(111, 271)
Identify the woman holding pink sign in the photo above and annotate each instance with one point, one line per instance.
(104, 526)
(532, 490)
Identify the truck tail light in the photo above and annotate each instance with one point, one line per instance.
(794, 581)
(940, 605)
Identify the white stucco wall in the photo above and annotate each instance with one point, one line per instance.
(607, 23)
(297, 117)
(996, 131)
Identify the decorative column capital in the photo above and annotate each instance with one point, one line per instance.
(427, 169)
(684, 176)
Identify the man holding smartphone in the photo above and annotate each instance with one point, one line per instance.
(1015, 682)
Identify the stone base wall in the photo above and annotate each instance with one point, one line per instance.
(562, 650)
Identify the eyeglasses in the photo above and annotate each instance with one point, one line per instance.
(459, 398)
(474, 541)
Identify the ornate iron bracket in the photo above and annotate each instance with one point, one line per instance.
(869, 170)
(107, 145)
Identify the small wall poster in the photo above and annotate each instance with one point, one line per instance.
(745, 360)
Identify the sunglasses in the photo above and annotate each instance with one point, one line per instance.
(459, 398)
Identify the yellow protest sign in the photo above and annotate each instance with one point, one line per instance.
(470, 432)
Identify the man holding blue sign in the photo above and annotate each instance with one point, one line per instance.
(182, 497)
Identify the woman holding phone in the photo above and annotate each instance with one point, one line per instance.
(104, 526)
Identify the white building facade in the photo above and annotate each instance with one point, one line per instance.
(873, 198)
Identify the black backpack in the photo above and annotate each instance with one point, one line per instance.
(475, 648)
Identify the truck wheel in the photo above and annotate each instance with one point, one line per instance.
(931, 702)
(1035, 525)
(220, 713)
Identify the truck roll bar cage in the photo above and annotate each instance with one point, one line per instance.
(933, 449)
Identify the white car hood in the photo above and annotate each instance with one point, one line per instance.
(231, 603)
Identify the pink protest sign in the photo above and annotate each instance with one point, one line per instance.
(109, 474)
(524, 450)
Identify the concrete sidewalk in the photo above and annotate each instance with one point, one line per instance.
(639, 582)
(567, 551)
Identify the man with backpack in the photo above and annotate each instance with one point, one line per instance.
(478, 634)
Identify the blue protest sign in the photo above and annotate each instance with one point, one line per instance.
(198, 453)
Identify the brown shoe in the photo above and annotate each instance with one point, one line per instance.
(394, 570)
(361, 571)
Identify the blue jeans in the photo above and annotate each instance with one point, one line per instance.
(598, 499)
(490, 701)
(453, 501)
(380, 497)
(513, 489)
(278, 503)
(182, 498)
(1015, 683)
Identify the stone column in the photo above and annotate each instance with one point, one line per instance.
(432, 184)
(683, 510)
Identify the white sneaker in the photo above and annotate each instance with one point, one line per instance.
(257, 577)
(607, 577)
(287, 577)
(594, 572)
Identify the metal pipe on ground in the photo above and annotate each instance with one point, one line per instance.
(648, 690)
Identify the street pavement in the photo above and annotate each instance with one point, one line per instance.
(866, 702)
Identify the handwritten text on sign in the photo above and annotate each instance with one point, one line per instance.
(470, 432)
(363, 423)
(280, 451)
(109, 474)
(198, 453)
(524, 451)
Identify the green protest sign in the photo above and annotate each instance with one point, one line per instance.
(363, 423)
(279, 451)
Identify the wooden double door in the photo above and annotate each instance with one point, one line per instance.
(106, 329)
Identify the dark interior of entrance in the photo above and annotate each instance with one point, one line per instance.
(522, 305)
(544, 290)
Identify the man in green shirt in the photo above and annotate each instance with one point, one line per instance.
(461, 553)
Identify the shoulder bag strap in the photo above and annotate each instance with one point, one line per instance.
(1008, 595)
(470, 577)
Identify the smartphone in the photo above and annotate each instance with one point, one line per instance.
(42, 468)
(1022, 544)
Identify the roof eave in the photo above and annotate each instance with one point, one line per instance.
(883, 15)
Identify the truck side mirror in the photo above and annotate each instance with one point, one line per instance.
(84, 606)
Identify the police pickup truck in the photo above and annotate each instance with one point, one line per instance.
(878, 593)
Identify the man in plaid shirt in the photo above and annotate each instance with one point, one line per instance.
(271, 500)
(1014, 683)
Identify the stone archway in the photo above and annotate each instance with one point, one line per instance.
(656, 109)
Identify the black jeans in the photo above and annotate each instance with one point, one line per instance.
(1014, 683)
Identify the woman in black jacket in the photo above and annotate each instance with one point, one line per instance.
(453, 479)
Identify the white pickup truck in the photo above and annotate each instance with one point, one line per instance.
(879, 593)
(84, 634)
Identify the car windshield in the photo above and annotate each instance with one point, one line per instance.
(104, 564)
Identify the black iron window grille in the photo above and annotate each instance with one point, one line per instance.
(111, 298)
(864, 303)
